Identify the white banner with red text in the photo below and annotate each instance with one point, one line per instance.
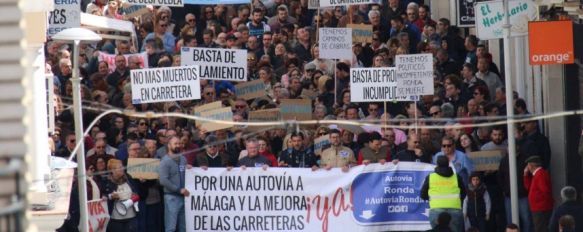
(366, 198)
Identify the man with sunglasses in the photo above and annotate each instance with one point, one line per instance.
(160, 31)
(413, 153)
(461, 163)
(211, 156)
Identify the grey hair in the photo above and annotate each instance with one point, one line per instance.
(372, 12)
(568, 193)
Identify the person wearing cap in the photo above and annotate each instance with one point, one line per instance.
(537, 182)
(445, 190)
(570, 206)
(211, 156)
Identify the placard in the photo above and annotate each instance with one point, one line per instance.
(414, 76)
(206, 107)
(490, 18)
(550, 42)
(366, 198)
(269, 115)
(110, 59)
(313, 4)
(135, 11)
(335, 43)
(67, 14)
(173, 3)
(465, 13)
(217, 63)
(296, 109)
(361, 33)
(373, 84)
(165, 84)
(250, 90)
(321, 143)
(143, 168)
(326, 3)
(98, 217)
(222, 114)
(309, 94)
(486, 160)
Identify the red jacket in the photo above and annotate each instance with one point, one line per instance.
(540, 195)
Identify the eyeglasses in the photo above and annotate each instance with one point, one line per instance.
(143, 124)
(250, 58)
(322, 133)
(190, 20)
(446, 145)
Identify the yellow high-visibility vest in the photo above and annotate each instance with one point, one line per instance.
(444, 192)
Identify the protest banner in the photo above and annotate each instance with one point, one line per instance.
(165, 84)
(486, 160)
(67, 14)
(98, 215)
(110, 59)
(217, 63)
(296, 109)
(143, 168)
(366, 198)
(361, 33)
(250, 90)
(173, 3)
(223, 114)
(326, 3)
(321, 143)
(373, 84)
(215, 2)
(490, 18)
(206, 107)
(414, 76)
(335, 43)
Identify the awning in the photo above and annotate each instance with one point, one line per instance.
(109, 28)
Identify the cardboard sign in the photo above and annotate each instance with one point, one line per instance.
(296, 109)
(414, 76)
(143, 168)
(361, 33)
(206, 107)
(309, 93)
(490, 18)
(313, 4)
(550, 42)
(269, 115)
(486, 160)
(135, 11)
(373, 84)
(321, 143)
(67, 14)
(223, 114)
(216, 63)
(165, 84)
(326, 3)
(98, 217)
(110, 59)
(250, 90)
(174, 3)
(335, 43)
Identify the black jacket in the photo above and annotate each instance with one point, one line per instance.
(572, 208)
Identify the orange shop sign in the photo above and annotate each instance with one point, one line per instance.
(551, 42)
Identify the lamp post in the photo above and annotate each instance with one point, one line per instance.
(76, 36)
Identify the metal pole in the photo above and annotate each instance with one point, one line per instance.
(510, 113)
(51, 101)
(76, 81)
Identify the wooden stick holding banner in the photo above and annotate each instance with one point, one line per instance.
(386, 114)
(416, 126)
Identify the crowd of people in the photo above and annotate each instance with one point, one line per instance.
(282, 50)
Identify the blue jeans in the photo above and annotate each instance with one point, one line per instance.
(457, 219)
(174, 213)
(523, 214)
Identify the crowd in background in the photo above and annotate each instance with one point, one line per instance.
(280, 37)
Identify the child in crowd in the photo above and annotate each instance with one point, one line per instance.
(477, 205)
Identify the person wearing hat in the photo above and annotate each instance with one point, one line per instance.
(570, 206)
(211, 156)
(537, 183)
(445, 190)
